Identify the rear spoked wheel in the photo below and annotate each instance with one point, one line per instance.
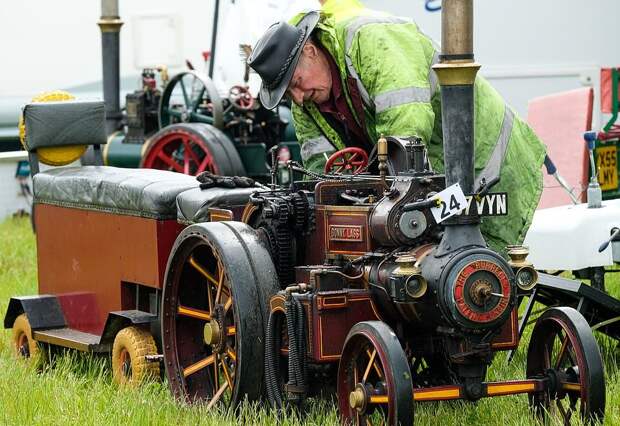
(213, 314)
(374, 380)
(563, 351)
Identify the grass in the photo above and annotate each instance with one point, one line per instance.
(77, 388)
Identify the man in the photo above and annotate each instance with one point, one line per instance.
(354, 74)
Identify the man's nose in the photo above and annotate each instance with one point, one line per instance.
(297, 95)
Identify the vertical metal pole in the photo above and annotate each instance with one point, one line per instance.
(456, 73)
(110, 25)
(216, 14)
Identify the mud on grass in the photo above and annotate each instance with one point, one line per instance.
(77, 388)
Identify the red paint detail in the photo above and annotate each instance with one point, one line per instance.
(351, 158)
(459, 288)
(160, 154)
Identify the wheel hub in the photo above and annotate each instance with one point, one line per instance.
(358, 398)
(212, 333)
(23, 346)
(480, 291)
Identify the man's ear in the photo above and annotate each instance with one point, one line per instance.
(310, 50)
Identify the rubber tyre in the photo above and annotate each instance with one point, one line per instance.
(132, 345)
(24, 346)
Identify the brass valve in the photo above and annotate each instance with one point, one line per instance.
(382, 156)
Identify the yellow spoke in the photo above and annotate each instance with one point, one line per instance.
(374, 364)
(231, 331)
(216, 372)
(231, 354)
(220, 283)
(202, 270)
(227, 375)
(199, 365)
(562, 351)
(217, 395)
(369, 366)
(194, 313)
(209, 298)
(228, 304)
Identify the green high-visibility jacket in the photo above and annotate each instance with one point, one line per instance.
(391, 61)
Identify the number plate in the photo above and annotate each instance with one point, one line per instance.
(607, 167)
(491, 204)
(451, 201)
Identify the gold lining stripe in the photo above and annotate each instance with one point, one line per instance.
(499, 389)
(424, 395)
(571, 387)
(378, 399)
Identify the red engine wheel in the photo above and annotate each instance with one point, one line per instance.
(349, 160)
(192, 148)
(374, 379)
(241, 97)
(563, 350)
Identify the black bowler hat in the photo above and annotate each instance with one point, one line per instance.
(276, 55)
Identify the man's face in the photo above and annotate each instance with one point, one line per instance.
(312, 80)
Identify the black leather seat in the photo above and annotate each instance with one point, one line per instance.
(136, 192)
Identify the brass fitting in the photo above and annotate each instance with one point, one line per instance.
(382, 156)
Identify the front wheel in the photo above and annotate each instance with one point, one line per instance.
(374, 380)
(563, 351)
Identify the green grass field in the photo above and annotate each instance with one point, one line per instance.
(78, 389)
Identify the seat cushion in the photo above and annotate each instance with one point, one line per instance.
(193, 205)
(136, 192)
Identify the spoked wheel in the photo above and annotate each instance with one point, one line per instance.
(563, 351)
(191, 149)
(374, 381)
(218, 283)
(191, 98)
(350, 160)
(241, 98)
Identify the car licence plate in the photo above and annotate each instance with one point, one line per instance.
(607, 167)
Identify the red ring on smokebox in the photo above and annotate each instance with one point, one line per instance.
(459, 288)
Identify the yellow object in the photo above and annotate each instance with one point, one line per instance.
(453, 393)
(606, 165)
(129, 364)
(23, 344)
(53, 156)
(510, 388)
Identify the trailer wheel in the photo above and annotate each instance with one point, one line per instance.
(563, 350)
(129, 363)
(215, 303)
(23, 344)
(374, 379)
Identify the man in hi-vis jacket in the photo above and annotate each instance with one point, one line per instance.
(355, 74)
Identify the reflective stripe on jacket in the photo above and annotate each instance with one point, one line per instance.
(391, 61)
